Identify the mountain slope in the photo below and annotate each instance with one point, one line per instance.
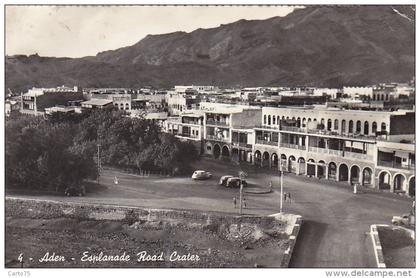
(317, 46)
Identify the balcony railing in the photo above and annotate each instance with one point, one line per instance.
(242, 144)
(293, 128)
(265, 142)
(390, 164)
(216, 138)
(292, 146)
(326, 151)
(358, 155)
(218, 123)
(340, 153)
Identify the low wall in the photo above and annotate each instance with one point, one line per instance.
(46, 209)
(377, 247)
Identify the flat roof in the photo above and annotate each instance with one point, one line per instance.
(99, 102)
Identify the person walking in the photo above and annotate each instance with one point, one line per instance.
(234, 202)
(289, 197)
(271, 186)
(244, 202)
(115, 180)
(285, 197)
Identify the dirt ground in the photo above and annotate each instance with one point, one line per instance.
(214, 246)
(398, 247)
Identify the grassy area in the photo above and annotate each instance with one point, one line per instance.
(398, 247)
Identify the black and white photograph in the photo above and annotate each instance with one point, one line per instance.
(210, 136)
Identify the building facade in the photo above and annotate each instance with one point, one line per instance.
(370, 148)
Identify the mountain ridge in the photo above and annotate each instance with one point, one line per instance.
(314, 46)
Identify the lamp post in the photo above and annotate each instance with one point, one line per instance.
(281, 187)
(99, 161)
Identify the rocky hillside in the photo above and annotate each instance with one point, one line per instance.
(317, 46)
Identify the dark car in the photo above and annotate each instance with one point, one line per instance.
(75, 191)
(235, 182)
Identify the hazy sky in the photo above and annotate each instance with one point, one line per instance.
(71, 31)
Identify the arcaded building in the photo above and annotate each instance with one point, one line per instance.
(371, 148)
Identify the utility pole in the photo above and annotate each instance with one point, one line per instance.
(240, 198)
(281, 190)
(99, 161)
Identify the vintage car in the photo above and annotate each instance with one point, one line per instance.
(201, 175)
(235, 182)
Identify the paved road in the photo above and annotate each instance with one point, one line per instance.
(336, 221)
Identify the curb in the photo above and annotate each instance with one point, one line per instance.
(292, 239)
(377, 247)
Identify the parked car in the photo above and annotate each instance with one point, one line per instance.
(235, 182)
(403, 220)
(224, 179)
(75, 191)
(201, 175)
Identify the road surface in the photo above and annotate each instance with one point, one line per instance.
(336, 221)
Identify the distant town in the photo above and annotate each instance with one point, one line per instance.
(356, 135)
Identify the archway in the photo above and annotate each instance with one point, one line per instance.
(366, 128)
(332, 171)
(236, 155)
(343, 172)
(266, 159)
(399, 180)
(257, 159)
(412, 187)
(384, 180)
(283, 162)
(292, 164)
(274, 161)
(310, 167)
(367, 176)
(225, 152)
(355, 174)
(216, 151)
(301, 166)
(322, 169)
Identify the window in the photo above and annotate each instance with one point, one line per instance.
(265, 119)
(366, 128)
(274, 120)
(335, 124)
(351, 126)
(374, 127)
(383, 127)
(358, 126)
(269, 120)
(329, 123)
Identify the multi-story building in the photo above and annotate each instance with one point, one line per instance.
(371, 148)
(180, 102)
(37, 99)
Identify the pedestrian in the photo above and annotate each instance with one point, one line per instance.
(271, 186)
(285, 197)
(244, 202)
(115, 180)
(234, 202)
(289, 197)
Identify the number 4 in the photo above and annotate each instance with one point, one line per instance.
(20, 258)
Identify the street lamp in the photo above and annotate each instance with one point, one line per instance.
(99, 161)
(281, 186)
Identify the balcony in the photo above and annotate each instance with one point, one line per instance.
(293, 128)
(358, 155)
(217, 123)
(326, 151)
(270, 127)
(265, 142)
(242, 145)
(394, 165)
(216, 138)
(292, 146)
